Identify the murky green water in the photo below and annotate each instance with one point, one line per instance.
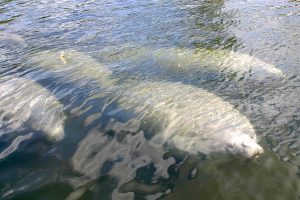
(140, 99)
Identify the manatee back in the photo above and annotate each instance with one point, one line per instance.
(191, 116)
(25, 103)
(228, 63)
(75, 65)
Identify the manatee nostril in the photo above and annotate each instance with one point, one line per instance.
(257, 153)
(261, 150)
(245, 144)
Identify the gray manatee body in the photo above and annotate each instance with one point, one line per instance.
(24, 103)
(75, 65)
(232, 64)
(194, 119)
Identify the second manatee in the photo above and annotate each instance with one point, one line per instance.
(25, 103)
(190, 118)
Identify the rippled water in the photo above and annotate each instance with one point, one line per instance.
(115, 99)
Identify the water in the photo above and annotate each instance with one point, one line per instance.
(244, 53)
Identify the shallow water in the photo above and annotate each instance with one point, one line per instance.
(106, 150)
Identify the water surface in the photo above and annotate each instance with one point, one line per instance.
(106, 151)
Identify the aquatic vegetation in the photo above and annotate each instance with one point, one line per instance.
(216, 176)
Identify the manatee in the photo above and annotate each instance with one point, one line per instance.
(192, 119)
(232, 64)
(74, 64)
(24, 103)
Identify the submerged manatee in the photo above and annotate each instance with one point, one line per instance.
(192, 119)
(24, 103)
(75, 65)
(232, 64)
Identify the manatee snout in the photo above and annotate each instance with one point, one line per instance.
(245, 146)
(252, 149)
